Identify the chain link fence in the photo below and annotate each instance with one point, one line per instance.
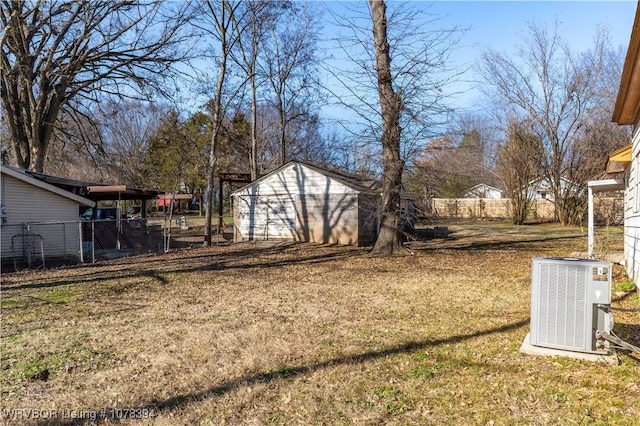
(50, 244)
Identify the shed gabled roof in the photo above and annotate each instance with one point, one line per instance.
(352, 181)
(24, 177)
(356, 182)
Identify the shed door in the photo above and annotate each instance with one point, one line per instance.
(273, 218)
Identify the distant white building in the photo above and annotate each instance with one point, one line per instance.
(541, 189)
(483, 190)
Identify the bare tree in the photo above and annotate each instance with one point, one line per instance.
(556, 89)
(127, 128)
(519, 162)
(56, 52)
(252, 33)
(218, 20)
(453, 163)
(401, 105)
(600, 136)
(75, 149)
(289, 63)
(422, 73)
(388, 241)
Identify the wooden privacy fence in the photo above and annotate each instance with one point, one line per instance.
(607, 210)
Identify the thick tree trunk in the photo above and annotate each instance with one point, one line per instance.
(389, 238)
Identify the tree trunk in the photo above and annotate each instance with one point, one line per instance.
(283, 134)
(389, 239)
(254, 130)
(213, 155)
(216, 119)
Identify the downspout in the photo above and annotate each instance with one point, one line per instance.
(3, 207)
(119, 222)
(590, 225)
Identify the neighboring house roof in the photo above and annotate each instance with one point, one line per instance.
(352, 181)
(27, 178)
(544, 182)
(483, 187)
(627, 108)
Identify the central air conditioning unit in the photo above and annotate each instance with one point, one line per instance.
(570, 301)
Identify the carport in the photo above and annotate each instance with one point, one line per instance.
(110, 238)
(101, 192)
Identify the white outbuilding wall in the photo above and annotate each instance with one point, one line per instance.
(298, 202)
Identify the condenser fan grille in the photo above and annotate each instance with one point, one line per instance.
(562, 308)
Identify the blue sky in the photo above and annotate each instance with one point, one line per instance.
(498, 24)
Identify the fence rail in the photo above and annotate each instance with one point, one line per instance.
(608, 210)
(34, 245)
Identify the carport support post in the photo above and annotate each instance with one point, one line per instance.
(118, 223)
(606, 185)
(220, 206)
(93, 241)
(590, 226)
(80, 234)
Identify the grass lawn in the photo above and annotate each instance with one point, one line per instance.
(308, 334)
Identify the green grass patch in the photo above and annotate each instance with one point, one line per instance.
(52, 297)
(8, 303)
(625, 286)
(22, 365)
(59, 297)
(421, 372)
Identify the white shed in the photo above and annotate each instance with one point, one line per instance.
(32, 207)
(300, 202)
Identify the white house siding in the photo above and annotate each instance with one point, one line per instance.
(484, 191)
(297, 203)
(632, 212)
(26, 203)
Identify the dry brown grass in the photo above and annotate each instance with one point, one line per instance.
(307, 334)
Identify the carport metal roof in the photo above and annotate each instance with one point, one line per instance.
(97, 191)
